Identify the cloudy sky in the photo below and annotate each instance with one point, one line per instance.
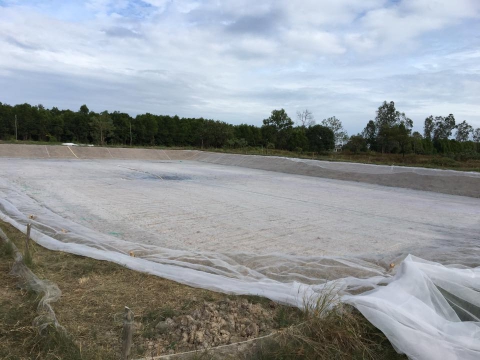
(237, 60)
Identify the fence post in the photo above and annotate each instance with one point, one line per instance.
(128, 329)
(27, 240)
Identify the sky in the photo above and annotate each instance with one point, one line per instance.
(238, 60)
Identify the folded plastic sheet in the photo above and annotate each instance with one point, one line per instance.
(427, 311)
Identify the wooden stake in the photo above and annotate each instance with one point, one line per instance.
(27, 240)
(128, 329)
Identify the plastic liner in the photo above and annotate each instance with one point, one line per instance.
(424, 303)
(427, 311)
(29, 281)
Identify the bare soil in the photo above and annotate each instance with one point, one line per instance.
(169, 317)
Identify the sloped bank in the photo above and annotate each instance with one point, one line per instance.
(442, 181)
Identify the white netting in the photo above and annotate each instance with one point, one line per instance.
(282, 236)
(428, 311)
(47, 290)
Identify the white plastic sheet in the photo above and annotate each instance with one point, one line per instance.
(428, 310)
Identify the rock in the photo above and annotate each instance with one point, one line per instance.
(252, 330)
(199, 337)
(197, 314)
(138, 326)
(225, 336)
(163, 327)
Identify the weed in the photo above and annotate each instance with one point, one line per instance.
(285, 317)
(6, 249)
(27, 259)
(325, 333)
(53, 343)
(152, 318)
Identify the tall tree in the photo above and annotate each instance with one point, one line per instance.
(305, 118)
(277, 128)
(370, 135)
(476, 135)
(417, 143)
(387, 118)
(102, 126)
(339, 133)
(122, 123)
(463, 131)
(428, 127)
(443, 127)
(320, 138)
(357, 143)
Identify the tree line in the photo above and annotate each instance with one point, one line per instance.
(390, 132)
(37, 123)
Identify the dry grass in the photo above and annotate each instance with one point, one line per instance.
(19, 339)
(328, 331)
(94, 294)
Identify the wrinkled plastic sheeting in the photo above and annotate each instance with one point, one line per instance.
(29, 281)
(427, 311)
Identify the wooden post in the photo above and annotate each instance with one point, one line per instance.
(27, 240)
(128, 329)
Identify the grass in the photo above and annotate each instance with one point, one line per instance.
(94, 294)
(325, 332)
(18, 308)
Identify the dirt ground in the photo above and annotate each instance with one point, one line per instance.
(169, 317)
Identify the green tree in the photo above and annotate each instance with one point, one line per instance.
(251, 134)
(476, 135)
(370, 135)
(339, 133)
(417, 143)
(389, 123)
(356, 144)
(298, 140)
(6, 121)
(146, 128)
(102, 126)
(277, 128)
(428, 127)
(122, 124)
(463, 131)
(402, 136)
(443, 127)
(320, 138)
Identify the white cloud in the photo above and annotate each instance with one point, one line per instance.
(237, 60)
(314, 42)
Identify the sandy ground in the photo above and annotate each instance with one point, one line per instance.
(212, 208)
